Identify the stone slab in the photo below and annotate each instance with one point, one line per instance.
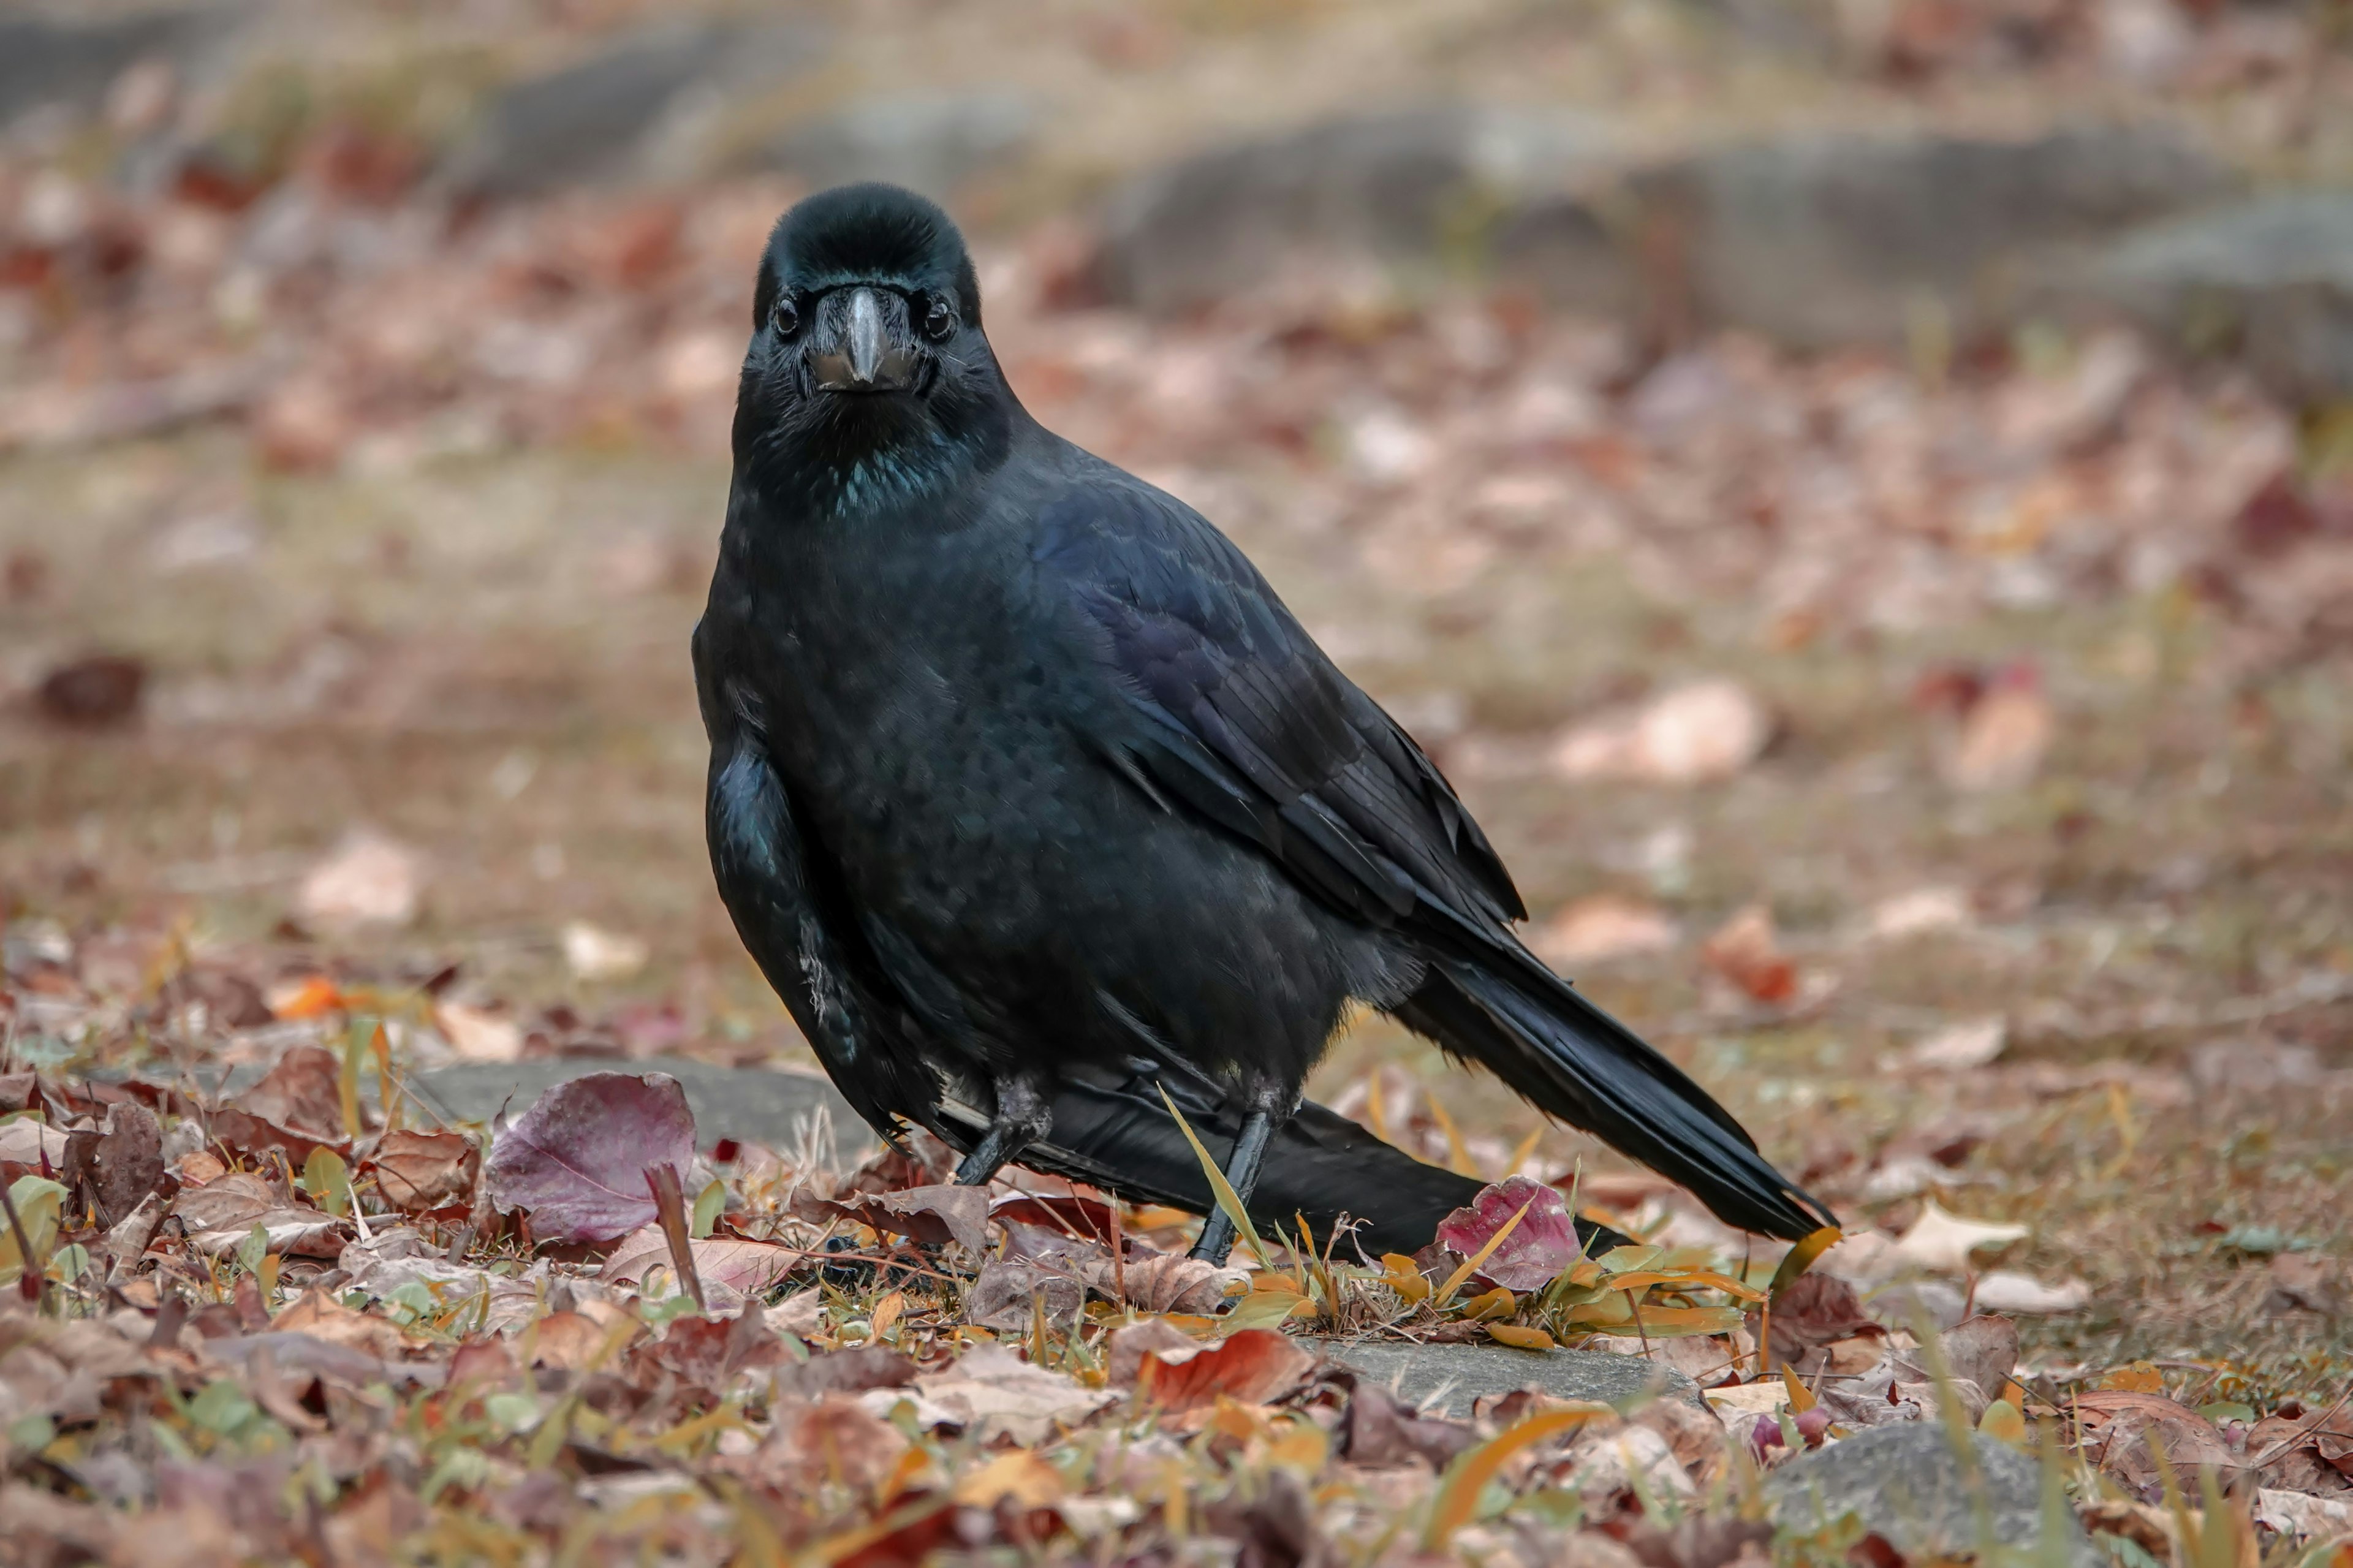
(1909, 1483)
(1457, 1376)
(755, 1105)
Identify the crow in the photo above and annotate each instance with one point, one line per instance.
(1035, 804)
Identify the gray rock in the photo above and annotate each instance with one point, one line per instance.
(1909, 1484)
(1418, 187)
(1821, 240)
(2267, 281)
(756, 1105)
(926, 143)
(45, 61)
(1461, 1374)
(606, 117)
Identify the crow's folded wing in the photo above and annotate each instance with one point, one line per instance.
(1244, 719)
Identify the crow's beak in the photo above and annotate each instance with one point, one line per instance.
(864, 346)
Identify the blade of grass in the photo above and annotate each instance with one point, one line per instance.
(1456, 1500)
(1228, 1199)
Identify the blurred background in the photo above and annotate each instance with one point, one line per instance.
(1858, 494)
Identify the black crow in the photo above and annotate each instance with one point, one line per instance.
(1033, 801)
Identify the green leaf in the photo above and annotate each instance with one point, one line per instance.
(39, 1202)
(1228, 1199)
(222, 1408)
(513, 1412)
(253, 1249)
(31, 1433)
(327, 1180)
(709, 1204)
(70, 1261)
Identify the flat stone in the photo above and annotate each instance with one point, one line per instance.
(927, 142)
(45, 61)
(607, 117)
(1819, 240)
(2268, 282)
(1908, 1483)
(1416, 188)
(1460, 1375)
(752, 1105)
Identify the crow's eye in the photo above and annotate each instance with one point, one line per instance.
(940, 320)
(788, 316)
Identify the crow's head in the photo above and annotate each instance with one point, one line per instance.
(866, 343)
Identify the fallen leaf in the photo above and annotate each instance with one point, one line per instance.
(2122, 1433)
(302, 1093)
(1920, 911)
(594, 954)
(2305, 1282)
(1599, 929)
(367, 880)
(845, 1372)
(1944, 1243)
(2006, 1290)
(1017, 1476)
(709, 1353)
(1817, 1310)
(1169, 1282)
(25, 1142)
(1960, 1046)
(478, 1034)
(416, 1172)
(125, 1161)
(1982, 1348)
(944, 1212)
(568, 1342)
(2004, 735)
(1705, 731)
(1129, 1343)
(1250, 1366)
(318, 1314)
(1007, 1294)
(746, 1267)
(2301, 1517)
(834, 1439)
(1538, 1249)
(1377, 1430)
(576, 1160)
(1746, 951)
(991, 1393)
(92, 692)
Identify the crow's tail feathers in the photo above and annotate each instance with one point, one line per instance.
(1115, 1133)
(1574, 1061)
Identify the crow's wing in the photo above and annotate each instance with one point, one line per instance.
(1245, 720)
(1234, 712)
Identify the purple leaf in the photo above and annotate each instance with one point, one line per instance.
(576, 1161)
(1539, 1247)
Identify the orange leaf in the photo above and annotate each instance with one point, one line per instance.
(1457, 1498)
(1518, 1337)
(1251, 1365)
(313, 997)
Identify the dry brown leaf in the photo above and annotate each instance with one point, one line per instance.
(416, 1172)
(2121, 1433)
(1601, 928)
(2003, 738)
(318, 1314)
(994, 1393)
(1746, 951)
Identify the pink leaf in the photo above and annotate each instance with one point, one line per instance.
(576, 1161)
(1535, 1253)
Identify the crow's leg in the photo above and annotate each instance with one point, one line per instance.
(1024, 1111)
(1241, 1171)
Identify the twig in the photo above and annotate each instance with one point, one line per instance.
(669, 1204)
(2301, 1432)
(1118, 1249)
